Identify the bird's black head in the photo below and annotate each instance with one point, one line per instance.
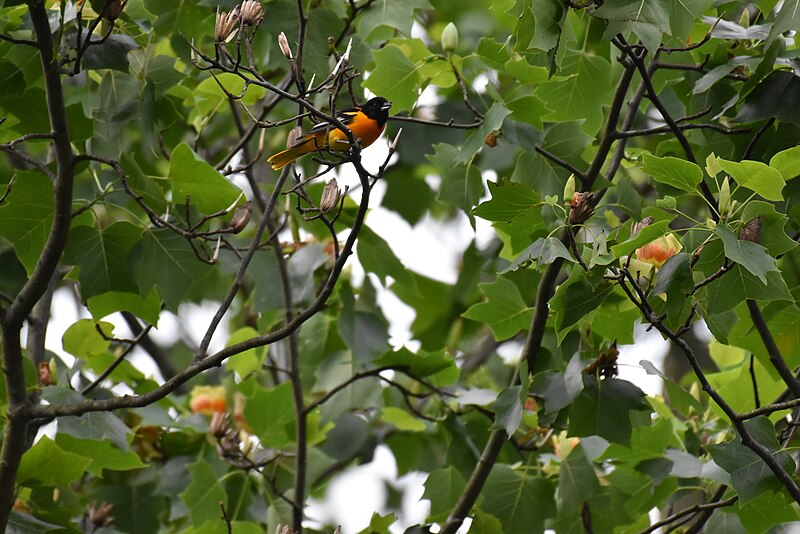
(377, 108)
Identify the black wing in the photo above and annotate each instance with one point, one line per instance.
(346, 116)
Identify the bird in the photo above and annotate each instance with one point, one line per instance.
(366, 121)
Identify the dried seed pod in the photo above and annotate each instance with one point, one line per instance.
(582, 208)
(225, 27)
(639, 226)
(241, 217)
(751, 230)
(330, 196)
(252, 13)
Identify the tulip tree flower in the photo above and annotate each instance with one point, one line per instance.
(657, 252)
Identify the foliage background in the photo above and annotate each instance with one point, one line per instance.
(128, 154)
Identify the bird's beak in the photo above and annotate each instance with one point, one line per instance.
(386, 106)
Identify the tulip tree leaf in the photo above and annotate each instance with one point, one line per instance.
(191, 176)
(504, 310)
(165, 260)
(509, 200)
(519, 499)
(749, 255)
(676, 172)
(603, 409)
(204, 493)
(47, 464)
(787, 162)
(443, 488)
(750, 476)
(756, 176)
(26, 216)
(102, 255)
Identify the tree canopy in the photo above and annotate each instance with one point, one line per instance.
(634, 158)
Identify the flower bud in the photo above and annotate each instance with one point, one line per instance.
(252, 13)
(641, 225)
(724, 196)
(657, 252)
(114, 9)
(569, 188)
(450, 38)
(225, 27)
(207, 400)
(241, 217)
(582, 208)
(330, 196)
(751, 230)
(283, 43)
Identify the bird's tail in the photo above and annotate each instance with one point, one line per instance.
(284, 158)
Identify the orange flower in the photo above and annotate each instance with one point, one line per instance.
(207, 400)
(657, 252)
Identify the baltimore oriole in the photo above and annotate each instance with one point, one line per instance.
(366, 122)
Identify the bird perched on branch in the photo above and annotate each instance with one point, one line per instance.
(366, 122)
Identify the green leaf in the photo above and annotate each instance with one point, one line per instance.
(377, 257)
(577, 483)
(504, 310)
(103, 454)
(773, 233)
(749, 255)
(581, 94)
(95, 426)
(379, 523)
(508, 410)
(26, 216)
(492, 121)
(270, 413)
(82, 339)
(420, 364)
(528, 109)
(191, 176)
(203, 494)
(398, 16)
(765, 511)
(543, 251)
(787, 162)
(248, 361)
(577, 297)
(522, 502)
(165, 260)
(46, 464)
(646, 235)
(443, 488)
(683, 13)
(395, 78)
(102, 255)
(147, 308)
(750, 476)
(676, 172)
(462, 185)
(756, 176)
(549, 16)
(509, 200)
(603, 409)
(776, 97)
(401, 420)
(648, 19)
(739, 284)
